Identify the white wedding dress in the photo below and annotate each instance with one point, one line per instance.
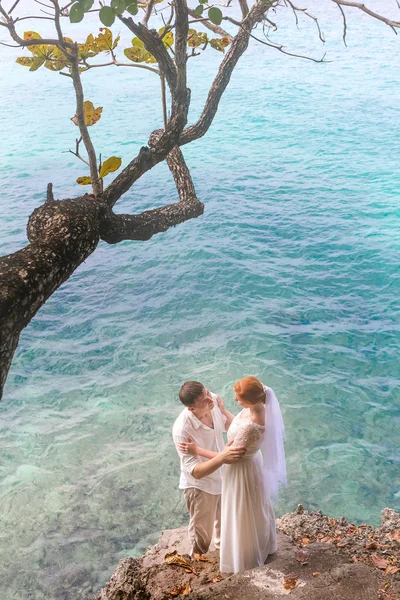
(248, 530)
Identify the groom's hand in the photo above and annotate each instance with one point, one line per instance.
(231, 454)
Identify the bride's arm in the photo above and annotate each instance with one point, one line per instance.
(190, 447)
(228, 416)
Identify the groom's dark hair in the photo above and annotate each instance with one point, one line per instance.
(189, 391)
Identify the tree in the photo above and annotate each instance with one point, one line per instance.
(63, 233)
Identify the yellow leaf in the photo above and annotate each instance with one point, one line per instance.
(37, 62)
(196, 38)
(139, 54)
(89, 48)
(91, 114)
(32, 35)
(109, 166)
(115, 44)
(104, 41)
(84, 180)
(25, 61)
(168, 38)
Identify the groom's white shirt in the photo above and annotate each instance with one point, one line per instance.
(187, 424)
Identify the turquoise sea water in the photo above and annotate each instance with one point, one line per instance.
(291, 274)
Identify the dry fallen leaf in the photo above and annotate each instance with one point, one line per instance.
(303, 556)
(316, 574)
(304, 542)
(201, 557)
(290, 582)
(187, 590)
(181, 590)
(379, 562)
(331, 522)
(371, 546)
(214, 580)
(342, 544)
(395, 535)
(327, 540)
(173, 558)
(391, 570)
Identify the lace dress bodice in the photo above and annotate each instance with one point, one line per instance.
(246, 433)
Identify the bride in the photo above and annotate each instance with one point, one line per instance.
(248, 532)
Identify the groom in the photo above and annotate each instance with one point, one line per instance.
(201, 479)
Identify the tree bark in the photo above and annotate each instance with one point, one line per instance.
(62, 234)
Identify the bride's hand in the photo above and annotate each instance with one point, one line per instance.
(221, 404)
(188, 447)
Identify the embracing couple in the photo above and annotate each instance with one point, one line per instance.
(228, 488)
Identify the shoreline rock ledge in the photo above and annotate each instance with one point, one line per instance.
(318, 558)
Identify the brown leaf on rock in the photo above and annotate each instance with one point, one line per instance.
(379, 562)
(173, 558)
(342, 544)
(214, 580)
(290, 581)
(392, 570)
(187, 590)
(201, 557)
(304, 542)
(181, 590)
(395, 535)
(371, 546)
(316, 574)
(303, 556)
(327, 540)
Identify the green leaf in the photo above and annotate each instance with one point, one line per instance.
(203, 1)
(86, 4)
(107, 16)
(118, 6)
(215, 15)
(132, 8)
(76, 13)
(111, 164)
(198, 11)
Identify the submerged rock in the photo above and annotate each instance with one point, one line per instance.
(318, 558)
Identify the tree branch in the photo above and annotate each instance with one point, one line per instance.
(76, 78)
(115, 228)
(148, 12)
(61, 235)
(153, 44)
(214, 28)
(220, 83)
(363, 8)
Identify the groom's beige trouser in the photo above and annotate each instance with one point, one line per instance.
(205, 518)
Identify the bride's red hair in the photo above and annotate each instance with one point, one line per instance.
(250, 389)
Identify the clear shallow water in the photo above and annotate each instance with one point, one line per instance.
(292, 274)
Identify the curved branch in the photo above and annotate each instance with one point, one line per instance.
(220, 83)
(371, 13)
(115, 228)
(10, 24)
(154, 44)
